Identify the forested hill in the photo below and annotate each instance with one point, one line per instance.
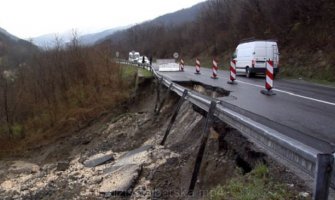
(13, 50)
(304, 30)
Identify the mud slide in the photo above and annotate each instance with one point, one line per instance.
(119, 157)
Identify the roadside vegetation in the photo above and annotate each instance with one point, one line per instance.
(145, 73)
(304, 31)
(256, 185)
(58, 90)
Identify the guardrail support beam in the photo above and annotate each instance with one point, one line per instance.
(205, 131)
(164, 98)
(323, 176)
(158, 88)
(174, 116)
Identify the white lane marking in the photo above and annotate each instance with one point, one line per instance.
(291, 93)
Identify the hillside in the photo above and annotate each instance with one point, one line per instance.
(4, 33)
(179, 17)
(143, 36)
(304, 31)
(90, 39)
(48, 93)
(49, 40)
(13, 50)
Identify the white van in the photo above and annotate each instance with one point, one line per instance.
(251, 57)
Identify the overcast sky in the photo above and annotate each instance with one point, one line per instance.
(31, 18)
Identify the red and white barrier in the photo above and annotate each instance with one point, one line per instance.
(232, 72)
(215, 69)
(181, 65)
(269, 78)
(197, 66)
(269, 75)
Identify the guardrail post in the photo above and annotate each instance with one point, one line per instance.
(164, 98)
(158, 98)
(174, 116)
(332, 181)
(202, 147)
(324, 169)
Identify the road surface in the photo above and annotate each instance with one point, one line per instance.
(301, 110)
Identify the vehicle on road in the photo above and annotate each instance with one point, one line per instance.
(134, 56)
(141, 63)
(251, 57)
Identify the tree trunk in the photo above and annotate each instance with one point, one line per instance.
(8, 121)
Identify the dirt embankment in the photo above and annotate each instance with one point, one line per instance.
(119, 157)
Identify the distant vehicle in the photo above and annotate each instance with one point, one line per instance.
(134, 56)
(169, 67)
(146, 61)
(251, 57)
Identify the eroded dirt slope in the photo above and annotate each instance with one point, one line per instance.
(119, 157)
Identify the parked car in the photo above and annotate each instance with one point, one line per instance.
(251, 57)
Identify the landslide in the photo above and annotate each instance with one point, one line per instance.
(59, 170)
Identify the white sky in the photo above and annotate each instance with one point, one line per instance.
(31, 18)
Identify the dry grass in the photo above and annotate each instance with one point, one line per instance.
(68, 89)
(257, 185)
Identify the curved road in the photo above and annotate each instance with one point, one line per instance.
(301, 110)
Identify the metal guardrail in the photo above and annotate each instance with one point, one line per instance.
(127, 62)
(292, 151)
(269, 139)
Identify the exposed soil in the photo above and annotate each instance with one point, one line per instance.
(207, 90)
(56, 170)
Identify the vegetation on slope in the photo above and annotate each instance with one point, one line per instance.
(257, 185)
(57, 91)
(303, 28)
(14, 51)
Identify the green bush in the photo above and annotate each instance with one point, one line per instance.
(257, 185)
(17, 130)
